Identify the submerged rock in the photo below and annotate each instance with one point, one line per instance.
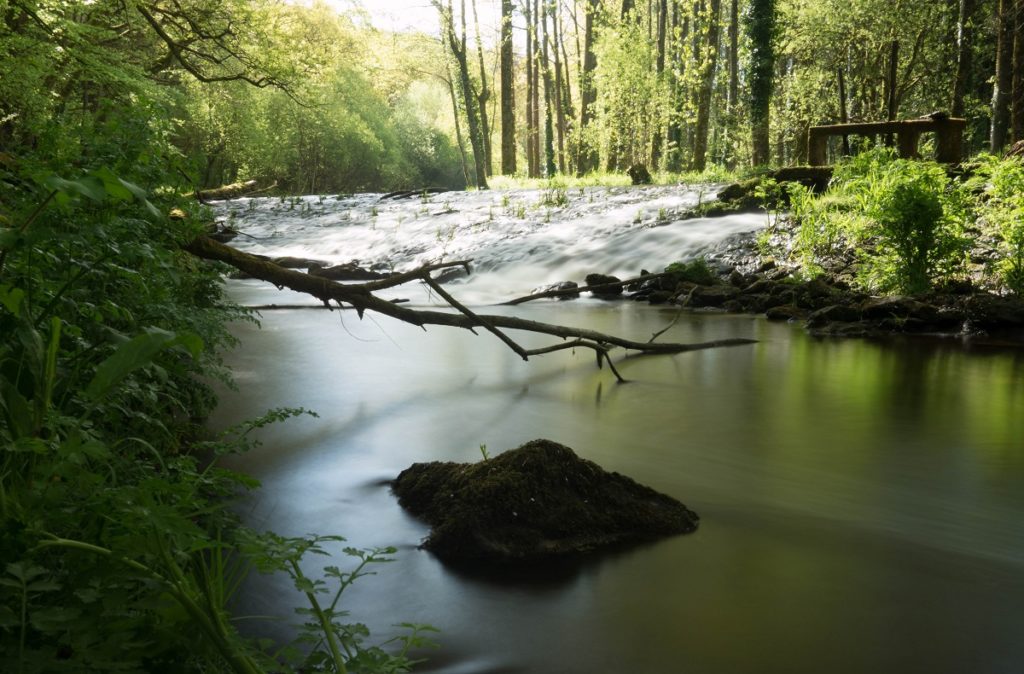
(537, 502)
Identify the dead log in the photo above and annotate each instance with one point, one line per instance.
(360, 296)
(233, 191)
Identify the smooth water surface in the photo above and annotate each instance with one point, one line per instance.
(862, 502)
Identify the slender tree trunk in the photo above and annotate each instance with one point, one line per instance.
(458, 124)
(842, 110)
(680, 30)
(1017, 92)
(891, 100)
(760, 28)
(561, 132)
(964, 42)
(707, 87)
(734, 54)
(659, 131)
(508, 94)
(484, 94)
(458, 49)
(533, 170)
(588, 91)
(549, 94)
(1004, 77)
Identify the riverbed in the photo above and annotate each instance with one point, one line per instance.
(861, 503)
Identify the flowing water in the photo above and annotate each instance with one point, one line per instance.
(862, 502)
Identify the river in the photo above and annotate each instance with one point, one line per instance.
(861, 502)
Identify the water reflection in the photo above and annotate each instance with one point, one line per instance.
(861, 502)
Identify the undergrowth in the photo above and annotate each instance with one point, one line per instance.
(119, 550)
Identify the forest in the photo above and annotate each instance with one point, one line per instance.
(115, 115)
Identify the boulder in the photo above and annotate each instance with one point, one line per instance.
(558, 287)
(613, 285)
(536, 503)
(785, 312)
(639, 174)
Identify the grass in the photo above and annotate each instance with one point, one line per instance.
(713, 174)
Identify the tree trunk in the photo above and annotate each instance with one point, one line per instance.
(891, 102)
(1017, 90)
(588, 158)
(843, 119)
(457, 46)
(1003, 77)
(760, 28)
(964, 42)
(707, 87)
(549, 95)
(484, 94)
(559, 103)
(660, 66)
(680, 31)
(734, 54)
(508, 96)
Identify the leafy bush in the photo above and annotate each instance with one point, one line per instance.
(694, 271)
(118, 550)
(1002, 206)
(905, 217)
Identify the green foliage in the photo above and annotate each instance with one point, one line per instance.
(118, 548)
(694, 271)
(1002, 208)
(906, 219)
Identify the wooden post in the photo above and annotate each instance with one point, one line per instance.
(817, 146)
(906, 143)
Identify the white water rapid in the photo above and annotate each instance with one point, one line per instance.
(518, 240)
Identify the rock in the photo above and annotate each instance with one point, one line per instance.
(710, 296)
(531, 504)
(449, 274)
(639, 174)
(899, 307)
(834, 313)
(561, 285)
(613, 283)
(785, 312)
(346, 272)
(993, 311)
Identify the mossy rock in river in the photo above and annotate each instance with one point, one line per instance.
(534, 503)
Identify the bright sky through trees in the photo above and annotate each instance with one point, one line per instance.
(412, 15)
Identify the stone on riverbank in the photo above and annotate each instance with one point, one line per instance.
(534, 503)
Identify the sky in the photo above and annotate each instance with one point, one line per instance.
(418, 15)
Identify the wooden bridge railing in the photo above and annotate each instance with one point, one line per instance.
(948, 137)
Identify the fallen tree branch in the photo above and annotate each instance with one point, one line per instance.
(361, 298)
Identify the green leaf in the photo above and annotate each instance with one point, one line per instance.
(17, 410)
(11, 298)
(112, 185)
(9, 237)
(129, 357)
(88, 187)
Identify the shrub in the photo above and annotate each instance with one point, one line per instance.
(1002, 207)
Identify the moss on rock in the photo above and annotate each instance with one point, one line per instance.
(537, 502)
